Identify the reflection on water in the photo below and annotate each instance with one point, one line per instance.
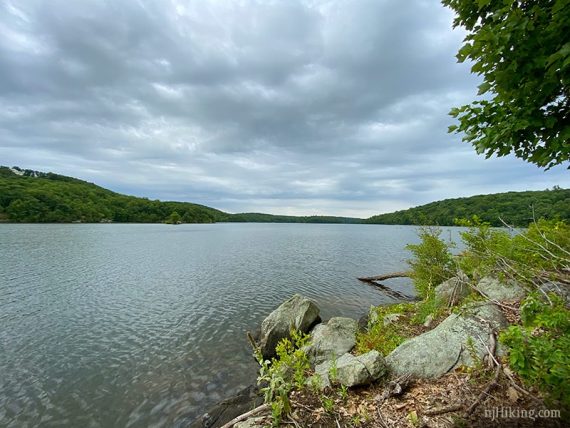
(138, 325)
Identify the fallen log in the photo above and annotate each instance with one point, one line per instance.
(406, 274)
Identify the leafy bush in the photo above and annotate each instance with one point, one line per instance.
(539, 350)
(383, 337)
(485, 248)
(540, 252)
(432, 262)
(284, 373)
(430, 306)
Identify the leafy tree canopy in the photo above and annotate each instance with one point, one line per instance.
(515, 208)
(522, 50)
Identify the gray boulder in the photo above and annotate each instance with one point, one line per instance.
(298, 312)
(453, 290)
(351, 370)
(445, 348)
(498, 290)
(333, 339)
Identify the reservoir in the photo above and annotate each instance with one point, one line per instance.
(144, 324)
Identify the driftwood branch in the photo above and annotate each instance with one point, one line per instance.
(243, 417)
(374, 280)
(406, 274)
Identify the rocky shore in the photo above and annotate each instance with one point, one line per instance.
(464, 339)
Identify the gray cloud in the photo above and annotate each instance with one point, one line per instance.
(296, 107)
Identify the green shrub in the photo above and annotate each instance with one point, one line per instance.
(539, 350)
(485, 249)
(382, 337)
(544, 248)
(284, 373)
(432, 262)
(429, 306)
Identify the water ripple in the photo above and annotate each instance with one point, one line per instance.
(143, 325)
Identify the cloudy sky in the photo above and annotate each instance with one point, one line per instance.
(287, 106)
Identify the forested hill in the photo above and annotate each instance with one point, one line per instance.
(515, 208)
(38, 197)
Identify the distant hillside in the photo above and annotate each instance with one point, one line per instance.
(270, 218)
(37, 197)
(28, 196)
(515, 208)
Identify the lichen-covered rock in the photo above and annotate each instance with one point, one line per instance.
(375, 364)
(298, 312)
(333, 339)
(350, 370)
(453, 290)
(500, 290)
(447, 347)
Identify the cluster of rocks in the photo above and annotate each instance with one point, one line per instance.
(330, 343)
(459, 340)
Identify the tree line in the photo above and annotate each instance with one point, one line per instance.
(513, 208)
(28, 196)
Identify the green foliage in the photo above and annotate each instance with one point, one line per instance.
(381, 336)
(327, 403)
(28, 196)
(46, 198)
(545, 246)
(414, 418)
(432, 262)
(512, 207)
(429, 306)
(284, 373)
(174, 218)
(333, 371)
(522, 51)
(522, 255)
(343, 392)
(539, 350)
(484, 248)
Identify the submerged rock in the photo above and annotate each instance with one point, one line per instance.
(451, 344)
(500, 290)
(333, 339)
(226, 410)
(453, 290)
(350, 370)
(298, 312)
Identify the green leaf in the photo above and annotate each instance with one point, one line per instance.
(484, 87)
(482, 3)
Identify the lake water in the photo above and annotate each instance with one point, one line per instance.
(144, 325)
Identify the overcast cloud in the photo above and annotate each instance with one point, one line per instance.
(294, 107)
